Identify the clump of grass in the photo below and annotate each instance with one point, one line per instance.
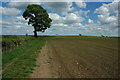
(26, 61)
(47, 61)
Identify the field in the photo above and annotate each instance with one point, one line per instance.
(63, 57)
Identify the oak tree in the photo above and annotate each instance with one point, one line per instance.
(37, 17)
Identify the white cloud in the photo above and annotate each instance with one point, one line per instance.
(9, 11)
(106, 16)
(108, 8)
(105, 12)
(54, 16)
(13, 21)
(60, 25)
(21, 5)
(78, 24)
(67, 23)
(107, 19)
(102, 10)
(81, 4)
(90, 21)
(82, 13)
(59, 7)
(71, 9)
(16, 25)
(72, 18)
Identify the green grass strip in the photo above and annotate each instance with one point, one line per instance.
(23, 66)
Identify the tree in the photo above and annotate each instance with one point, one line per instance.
(80, 34)
(26, 34)
(37, 17)
(102, 35)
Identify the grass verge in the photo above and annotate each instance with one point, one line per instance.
(23, 58)
(10, 42)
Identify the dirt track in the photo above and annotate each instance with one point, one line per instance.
(71, 58)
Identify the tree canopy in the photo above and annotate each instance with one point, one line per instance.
(37, 17)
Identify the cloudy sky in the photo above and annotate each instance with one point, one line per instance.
(69, 18)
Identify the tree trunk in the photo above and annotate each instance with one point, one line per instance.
(35, 33)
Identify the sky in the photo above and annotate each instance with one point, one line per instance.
(68, 18)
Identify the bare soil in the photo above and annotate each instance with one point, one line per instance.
(43, 65)
(72, 58)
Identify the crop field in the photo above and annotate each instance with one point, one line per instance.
(63, 57)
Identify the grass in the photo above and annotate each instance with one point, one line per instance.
(10, 42)
(22, 60)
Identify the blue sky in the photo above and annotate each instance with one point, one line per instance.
(69, 18)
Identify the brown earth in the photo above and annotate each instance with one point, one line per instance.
(73, 58)
(43, 70)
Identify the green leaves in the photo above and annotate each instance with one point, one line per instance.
(37, 17)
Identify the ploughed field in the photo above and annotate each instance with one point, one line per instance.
(62, 57)
(84, 57)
